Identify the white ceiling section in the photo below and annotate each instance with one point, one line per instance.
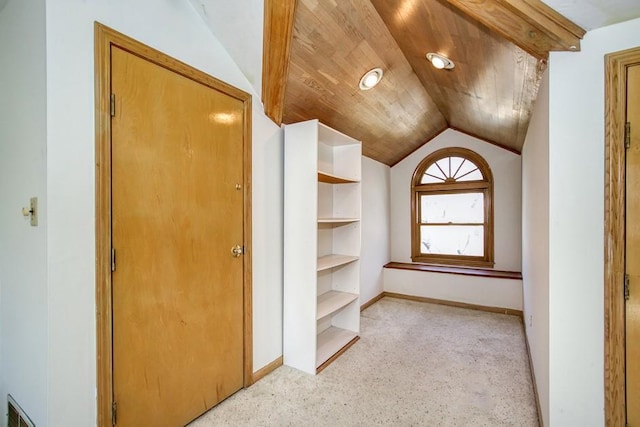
(238, 26)
(592, 14)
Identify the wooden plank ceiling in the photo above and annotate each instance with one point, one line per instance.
(330, 44)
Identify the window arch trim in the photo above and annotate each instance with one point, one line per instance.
(484, 186)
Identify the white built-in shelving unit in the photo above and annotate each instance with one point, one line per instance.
(322, 205)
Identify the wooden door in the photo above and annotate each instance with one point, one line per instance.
(633, 249)
(177, 211)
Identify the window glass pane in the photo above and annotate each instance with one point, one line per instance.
(433, 174)
(455, 208)
(476, 175)
(452, 240)
(455, 165)
(467, 167)
(444, 165)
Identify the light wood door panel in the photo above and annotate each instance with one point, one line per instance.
(633, 250)
(177, 155)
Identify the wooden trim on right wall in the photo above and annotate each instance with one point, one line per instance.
(616, 65)
(533, 375)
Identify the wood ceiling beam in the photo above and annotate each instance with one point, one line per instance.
(278, 31)
(530, 24)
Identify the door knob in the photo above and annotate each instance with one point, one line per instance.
(237, 250)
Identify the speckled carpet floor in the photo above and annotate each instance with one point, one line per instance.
(416, 364)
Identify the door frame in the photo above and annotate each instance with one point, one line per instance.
(105, 38)
(616, 65)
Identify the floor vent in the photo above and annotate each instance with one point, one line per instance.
(16, 416)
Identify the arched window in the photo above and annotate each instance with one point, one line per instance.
(452, 209)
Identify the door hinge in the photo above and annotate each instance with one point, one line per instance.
(114, 412)
(626, 287)
(627, 135)
(113, 259)
(113, 105)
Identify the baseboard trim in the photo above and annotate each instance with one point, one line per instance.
(266, 370)
(372, 301)
(533, 376)
(489, 309)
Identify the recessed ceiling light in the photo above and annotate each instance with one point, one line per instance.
(370, 79)
(440, 61)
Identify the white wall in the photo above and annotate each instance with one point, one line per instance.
(23, 255)
(375, 227)
(505, 167)
(576, 225)
(175, 28)
(535, 242)
(224, 18)
(482, 291)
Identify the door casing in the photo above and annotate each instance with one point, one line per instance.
(616, 65)
(105, 38)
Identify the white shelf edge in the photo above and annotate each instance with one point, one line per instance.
(332, 301)
(337, 220)
(334, 260)
(330, 341)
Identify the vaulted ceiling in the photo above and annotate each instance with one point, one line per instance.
(495, 44)
(317, 50)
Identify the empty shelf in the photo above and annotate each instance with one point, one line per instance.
(331, 341)
(334, 179)
(332, 301)
(337, 220)
(334, 260)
